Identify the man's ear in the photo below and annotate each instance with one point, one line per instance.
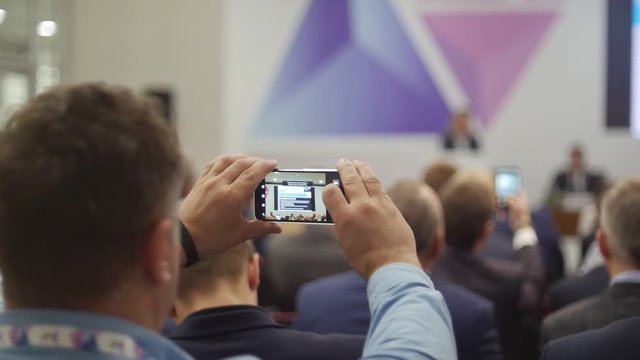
(487, 230)
(253, 272)
(160, 252)
(601, 237)
(437, 247)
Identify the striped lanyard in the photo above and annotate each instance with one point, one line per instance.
(48, 337)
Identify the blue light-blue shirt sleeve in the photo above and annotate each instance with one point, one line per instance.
(409, 318)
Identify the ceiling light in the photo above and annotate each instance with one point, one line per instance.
(47, 28)
(3, 14)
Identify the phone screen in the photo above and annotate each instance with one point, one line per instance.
(289, 195)
(507, 182)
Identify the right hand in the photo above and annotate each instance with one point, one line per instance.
(212, 212)
(370, 229)
(519, 213)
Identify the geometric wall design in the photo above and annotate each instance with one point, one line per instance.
(350, 70)
(487, 52)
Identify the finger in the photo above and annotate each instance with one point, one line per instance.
(351, 181)
(219, 164)
(248, 180)
(369, 178)
(256, 229)
(333, 199)
(231, 173)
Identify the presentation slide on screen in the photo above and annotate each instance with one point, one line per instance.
(296, 196)
(635, 70)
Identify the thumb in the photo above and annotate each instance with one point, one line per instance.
(256, 229)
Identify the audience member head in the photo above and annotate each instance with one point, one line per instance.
(229, 278)
(438, 174)
(619, 235)
(422, 210)
(468, 204)
(90, 181)
(576, 160)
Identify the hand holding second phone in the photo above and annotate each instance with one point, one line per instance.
(370, 229)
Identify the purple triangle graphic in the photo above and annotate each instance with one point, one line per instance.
(351, 69)
(488, 52)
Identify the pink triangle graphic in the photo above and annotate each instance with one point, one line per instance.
(488, 51)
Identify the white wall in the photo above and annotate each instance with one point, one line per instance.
(221, 56)
(142, 43)
(559, 98)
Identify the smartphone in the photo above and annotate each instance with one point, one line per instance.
(508, 183)
(294, 195)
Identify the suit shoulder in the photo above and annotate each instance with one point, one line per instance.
(570, 319)
(315, 346)
(342, 281)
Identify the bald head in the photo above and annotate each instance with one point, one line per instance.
(421, 209)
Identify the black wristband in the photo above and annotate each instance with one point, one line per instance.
(189, 248)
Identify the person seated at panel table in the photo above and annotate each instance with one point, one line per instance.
(338, 303)
(576, 178)
(88, 234)
(459, 134)
(218, 316)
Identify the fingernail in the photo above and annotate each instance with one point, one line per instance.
(343, 161)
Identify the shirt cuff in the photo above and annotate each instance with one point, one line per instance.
(391, 275)
(525, 237)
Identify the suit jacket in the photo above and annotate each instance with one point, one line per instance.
(574, 289)
(617, 341)
(563, 183)
(514, 287)
(222, 332)
(339, 304)
(294, 260)
(620, 301)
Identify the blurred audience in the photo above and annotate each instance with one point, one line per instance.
(88, 246)
(218, 316)
(293, 260)
(515, 287)
(619, 242)
(338, 303)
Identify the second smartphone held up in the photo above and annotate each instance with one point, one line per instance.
(294, 195)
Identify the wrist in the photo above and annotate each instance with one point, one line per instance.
(189, 254)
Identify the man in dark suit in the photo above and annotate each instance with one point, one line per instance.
(619, 241)
(576, 178)
(514, 287)
(616, 341)
(338, 303)
(218, 317)
(571, 290)
(293, 260)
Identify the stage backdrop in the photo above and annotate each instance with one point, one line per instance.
(308, 81)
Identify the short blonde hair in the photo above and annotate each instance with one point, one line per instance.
(468, 204)
(207, 272)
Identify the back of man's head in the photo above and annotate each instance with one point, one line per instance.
(620, 220)
(421, 209)
(205, 277)
(468, 203)
(437, 175)
(86, 172)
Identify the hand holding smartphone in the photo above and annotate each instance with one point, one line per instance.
(508, 183)
(294, 195)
